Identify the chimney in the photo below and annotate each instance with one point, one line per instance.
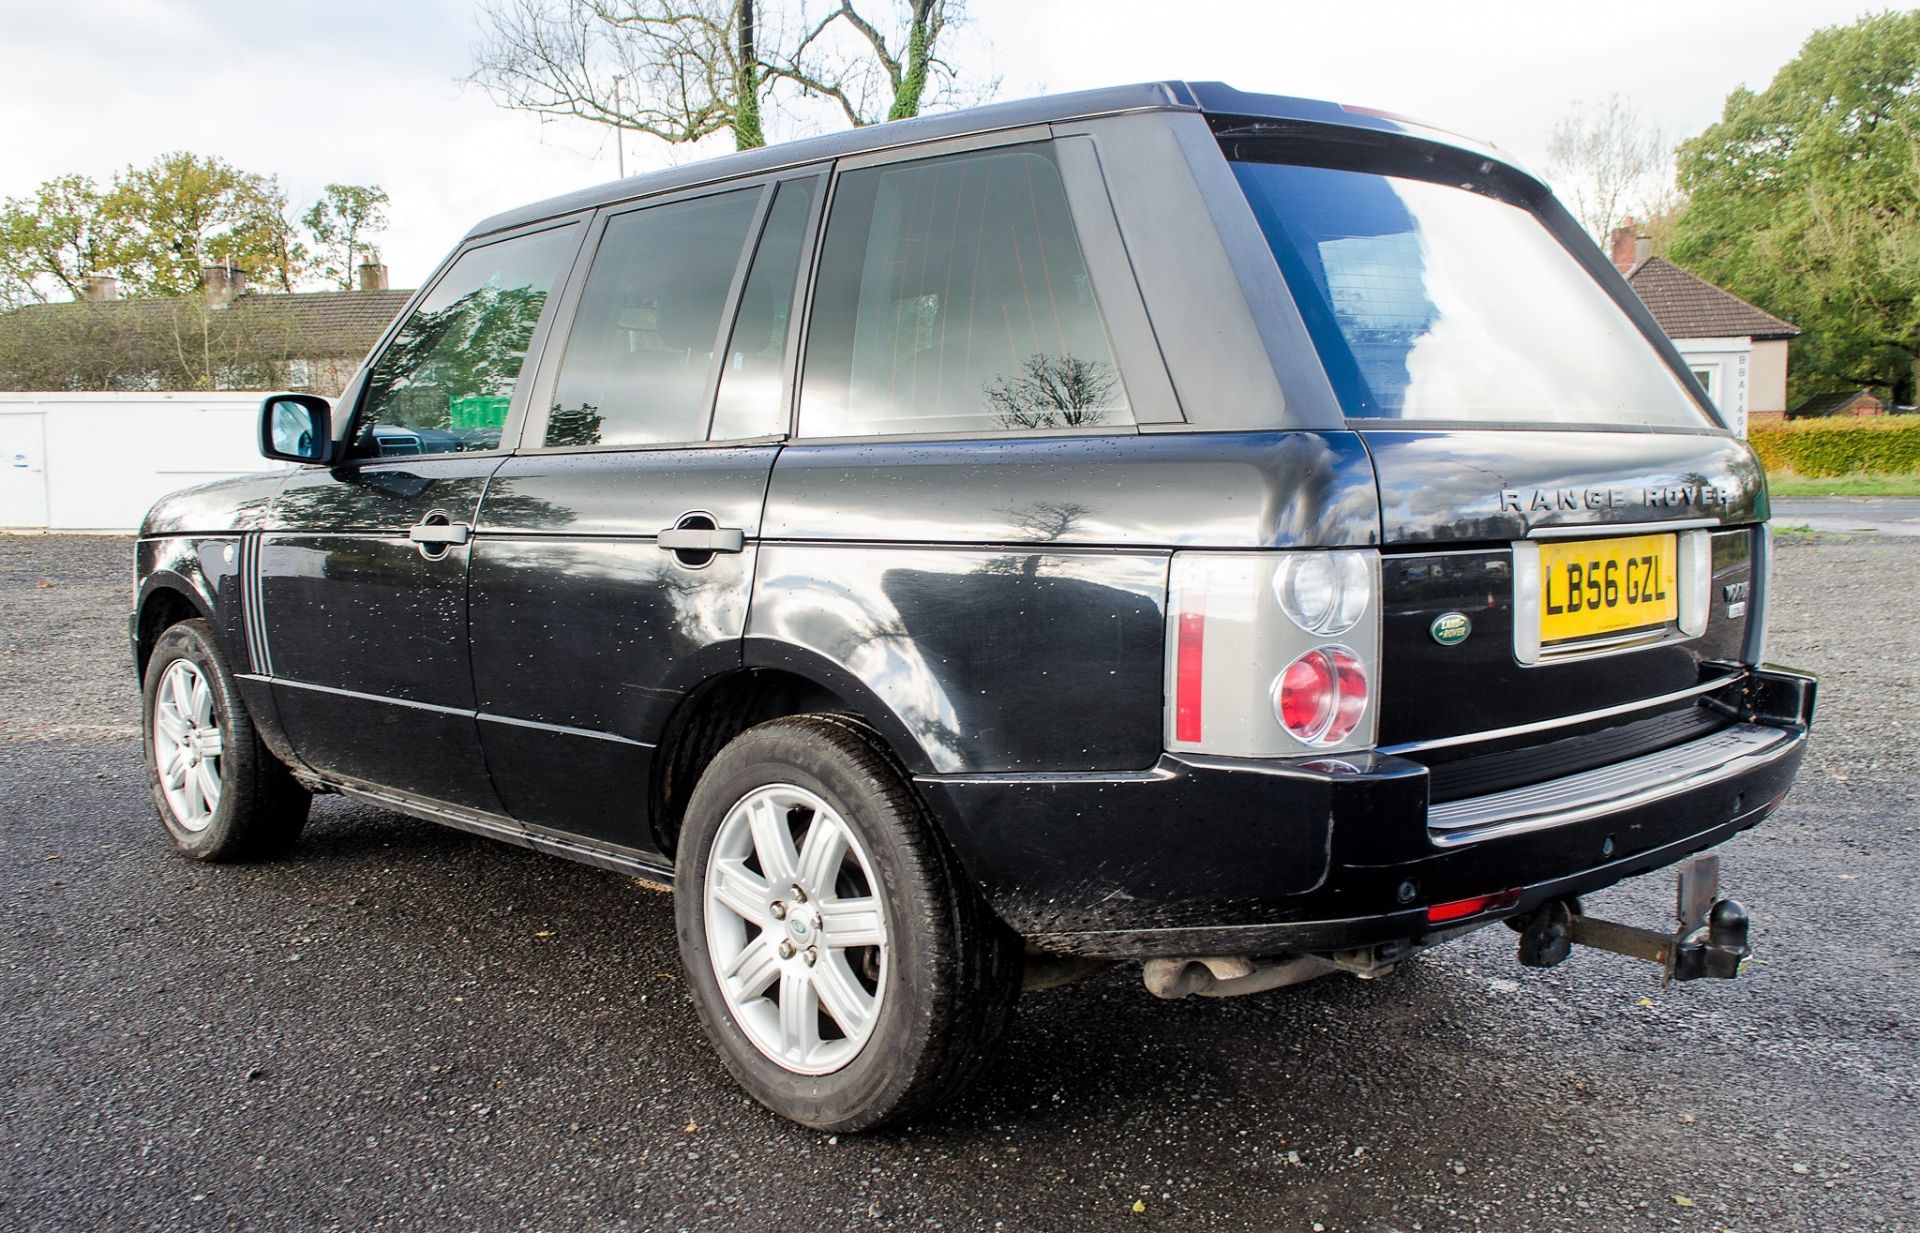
(1627, 246)
(373, 275)
(218, 282)
(102, 287)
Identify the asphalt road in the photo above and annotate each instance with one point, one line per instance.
(403, 1027)
(1848, 515)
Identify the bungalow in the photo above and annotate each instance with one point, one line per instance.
(226, 337)
(1738, 352)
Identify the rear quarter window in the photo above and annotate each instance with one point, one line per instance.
(953, 297)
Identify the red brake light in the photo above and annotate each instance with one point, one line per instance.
(1306, 695)
(1322, 695)
(1460, 909)
(1350, 678)
(1188, 664)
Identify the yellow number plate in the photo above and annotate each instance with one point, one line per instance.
(1607, 586)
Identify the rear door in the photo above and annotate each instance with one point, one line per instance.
(614, 557)
(362, 582)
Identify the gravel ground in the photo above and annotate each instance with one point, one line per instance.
(404, 1027)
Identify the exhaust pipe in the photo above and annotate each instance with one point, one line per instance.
(1228, 976)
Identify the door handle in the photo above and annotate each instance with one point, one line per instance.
(442, 533)
(702, 539)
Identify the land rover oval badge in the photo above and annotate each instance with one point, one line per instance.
(1450, 628)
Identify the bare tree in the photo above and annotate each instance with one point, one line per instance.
(683, 70)
(1053, 391)
(869, 74)
(1609, 160)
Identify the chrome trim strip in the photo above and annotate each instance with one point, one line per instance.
(1608, 530)
(1610, 789)
(1761, 570)
(357, 695)
(248, 608)
(562, 729)
(1561, 721)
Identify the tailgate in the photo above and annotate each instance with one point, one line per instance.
(1466, 684)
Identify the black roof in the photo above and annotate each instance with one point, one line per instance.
(1828, 404)
(1205, 97)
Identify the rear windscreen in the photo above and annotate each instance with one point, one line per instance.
(1430, 302)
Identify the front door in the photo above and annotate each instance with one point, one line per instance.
(363, 572)
(614, 557)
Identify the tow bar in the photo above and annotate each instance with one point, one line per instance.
(1711, 939)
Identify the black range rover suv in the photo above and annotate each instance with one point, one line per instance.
(1247, 535)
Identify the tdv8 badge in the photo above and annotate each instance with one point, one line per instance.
(1450, 628)
(1735, 593)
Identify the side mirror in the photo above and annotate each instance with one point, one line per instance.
(297, 428)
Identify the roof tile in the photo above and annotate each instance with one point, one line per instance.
(1688, 306)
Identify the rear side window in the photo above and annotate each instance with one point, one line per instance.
(1431, 302)
(641, 349)
(444, 383)
(953, 297)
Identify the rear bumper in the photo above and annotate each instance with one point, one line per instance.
(1231, 857)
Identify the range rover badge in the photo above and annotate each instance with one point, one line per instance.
(1450, 628)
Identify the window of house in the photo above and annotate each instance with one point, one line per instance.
(953, 297)
(641, 349)
(445, 382)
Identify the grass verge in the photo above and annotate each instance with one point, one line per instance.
(1865, 484)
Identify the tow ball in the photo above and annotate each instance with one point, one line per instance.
(1711, 939)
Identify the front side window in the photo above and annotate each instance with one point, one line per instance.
(953, 297)
(641, 348)
(445, 382)
(1427, 301)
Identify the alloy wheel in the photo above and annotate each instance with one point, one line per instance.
(187, 745)
(796, 930)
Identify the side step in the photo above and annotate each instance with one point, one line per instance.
(1710, 942)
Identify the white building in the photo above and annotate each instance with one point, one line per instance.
(1738, 352)
(95, 462)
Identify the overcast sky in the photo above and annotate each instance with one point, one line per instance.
(368, 91)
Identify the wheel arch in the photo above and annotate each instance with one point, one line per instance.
(724, 706)
(165, 601)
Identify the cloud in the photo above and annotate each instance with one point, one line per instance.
(366, 91)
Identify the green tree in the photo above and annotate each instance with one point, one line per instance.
(184, 212)
(340, 223)
(54, 240)
(1805, 199)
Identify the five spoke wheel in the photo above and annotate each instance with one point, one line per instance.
(795, 929)
(187, 745)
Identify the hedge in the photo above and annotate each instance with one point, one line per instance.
(1841, 446)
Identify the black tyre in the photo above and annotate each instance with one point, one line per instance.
(221, 794)
(847, 974)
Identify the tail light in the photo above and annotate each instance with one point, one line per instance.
(1272, 654)
(1322, 696)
